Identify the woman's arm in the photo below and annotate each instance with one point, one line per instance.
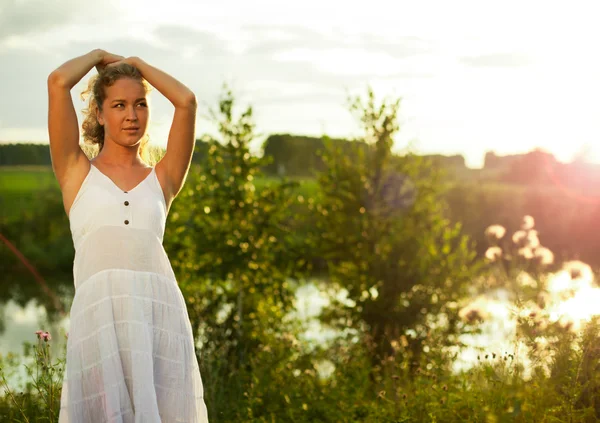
(63, 128)
(175, 164)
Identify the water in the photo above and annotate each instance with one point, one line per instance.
(22, 322)
(497, 332)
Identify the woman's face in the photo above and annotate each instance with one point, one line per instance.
(125, 112)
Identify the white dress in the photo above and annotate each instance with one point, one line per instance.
(130, 348)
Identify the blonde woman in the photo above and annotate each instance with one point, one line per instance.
(130, 351)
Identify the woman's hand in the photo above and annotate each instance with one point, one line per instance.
(106, 59)
(129, 60)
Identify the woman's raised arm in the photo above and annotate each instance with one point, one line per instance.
(175, 164)
(63, 129)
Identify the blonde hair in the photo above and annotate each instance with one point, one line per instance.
(95, 94)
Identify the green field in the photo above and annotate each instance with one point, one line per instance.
(26, 178)
(20, 186)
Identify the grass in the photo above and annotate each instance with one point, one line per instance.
(26, 178)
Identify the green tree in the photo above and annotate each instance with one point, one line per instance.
(235, 258)
(384, 232)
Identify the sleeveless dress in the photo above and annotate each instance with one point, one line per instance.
(130, 347)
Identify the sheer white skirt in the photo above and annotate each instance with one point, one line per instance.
(130, 351)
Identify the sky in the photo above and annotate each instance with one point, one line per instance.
(473, 76)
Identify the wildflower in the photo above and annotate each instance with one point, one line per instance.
(472, 315)
(495, 231)
(578, 270)
(475, 311)
(493, 253)
(519, 236)
(43, 335)
(543, 299)
(525, 252)
(532, 239)
(544, 255)
(445, 387)
(528, 223)
(568, 324)
(524, 279)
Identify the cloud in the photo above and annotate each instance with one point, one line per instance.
(23, 76)
(497, 60)
(23, 17)
(203, 42)
(270, 40)
(204, 60)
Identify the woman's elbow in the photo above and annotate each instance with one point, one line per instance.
(56, 79)
(188, 101)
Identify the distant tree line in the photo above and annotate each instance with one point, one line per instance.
(292, 155)
(300, 156)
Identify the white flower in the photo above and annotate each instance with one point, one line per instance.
(493, 253)
(525, 279)
(495, 231)
(579, 270)
(526, 252)
(544, 255)
(532, 239)
(519, 236)
(528, 223)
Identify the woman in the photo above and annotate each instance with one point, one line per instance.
(130, 351)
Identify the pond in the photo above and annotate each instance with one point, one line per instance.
(21, 322)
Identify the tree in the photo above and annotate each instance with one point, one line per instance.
(234, 255)
(383, 230)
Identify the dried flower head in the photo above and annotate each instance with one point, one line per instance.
(493, 253)
(495, 231)
(544, 255)
(532, 240)
(519, 237)
(528, 223)
(525, 252)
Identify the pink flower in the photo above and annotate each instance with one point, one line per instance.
(43, 335)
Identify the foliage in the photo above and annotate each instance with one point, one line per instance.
(235, 256)
(39, 399)
(378, 227)
(386, 239)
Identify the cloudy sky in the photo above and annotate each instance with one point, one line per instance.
(474, 76)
